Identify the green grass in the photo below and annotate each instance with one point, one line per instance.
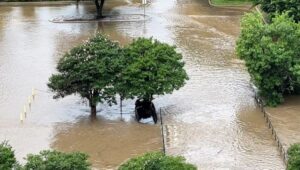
(231, 2)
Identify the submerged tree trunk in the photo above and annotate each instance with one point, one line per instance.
(93, 111)
(99, 8)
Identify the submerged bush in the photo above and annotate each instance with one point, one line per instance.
(50, 160)
(7, 156)
(272, 56)
(294, 157)
(157, 161)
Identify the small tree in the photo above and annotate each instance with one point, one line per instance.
(50, 160)
(294, 157)
(157, 161)
(88, 70)
(7, 156)
(150, 68)
(271, 53)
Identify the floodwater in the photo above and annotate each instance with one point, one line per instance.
(213, 121)
(287, 114)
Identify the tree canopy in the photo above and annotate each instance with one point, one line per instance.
(272, 56)
(150, 68)
(292, 7)
(88, 70)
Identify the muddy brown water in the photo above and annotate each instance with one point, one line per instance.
(213, 121)
(286, 121)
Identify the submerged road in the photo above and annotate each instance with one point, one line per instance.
(213, 121)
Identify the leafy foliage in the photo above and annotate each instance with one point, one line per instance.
(294, 157)
(49, 160)
(150, 68)
(88, 70)
(292, 7)
(157, 161)
(272, 55)
(7, 156)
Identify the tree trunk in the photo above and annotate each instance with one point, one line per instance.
(99, 8)
(93, 111)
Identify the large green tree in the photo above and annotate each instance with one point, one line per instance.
(272, 56)
(88, 70)
(150, 68)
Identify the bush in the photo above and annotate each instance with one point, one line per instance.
(271, 53)
(157, 161)
(50, 160)
(294, 157)
(7, 156)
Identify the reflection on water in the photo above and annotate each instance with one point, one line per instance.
(213, 121)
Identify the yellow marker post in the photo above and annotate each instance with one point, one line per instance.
(24, 111)
(29, 101)
(33, 93)
(21, 117)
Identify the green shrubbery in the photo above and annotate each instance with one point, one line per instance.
(157, 161)
(272, 55)
(45, 160)
(7, 156)
(294, 157)
(50, 160)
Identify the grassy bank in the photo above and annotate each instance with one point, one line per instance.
(230, 2)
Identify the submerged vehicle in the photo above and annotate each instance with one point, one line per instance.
(145, 109)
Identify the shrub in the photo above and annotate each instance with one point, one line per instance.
(50, 160)
(7, 156)
(294, 157)
(157, 161)
(272, 56)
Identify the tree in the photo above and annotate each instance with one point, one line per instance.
(7, 156)
(292, 7)
(271, 53)
(150, 68)
(49, 160)
(157, 161)
(294, 157)
(88, 70)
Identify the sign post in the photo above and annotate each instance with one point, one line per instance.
(144, 2)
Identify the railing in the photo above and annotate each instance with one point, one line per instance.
(162, 131)
(282, 151)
